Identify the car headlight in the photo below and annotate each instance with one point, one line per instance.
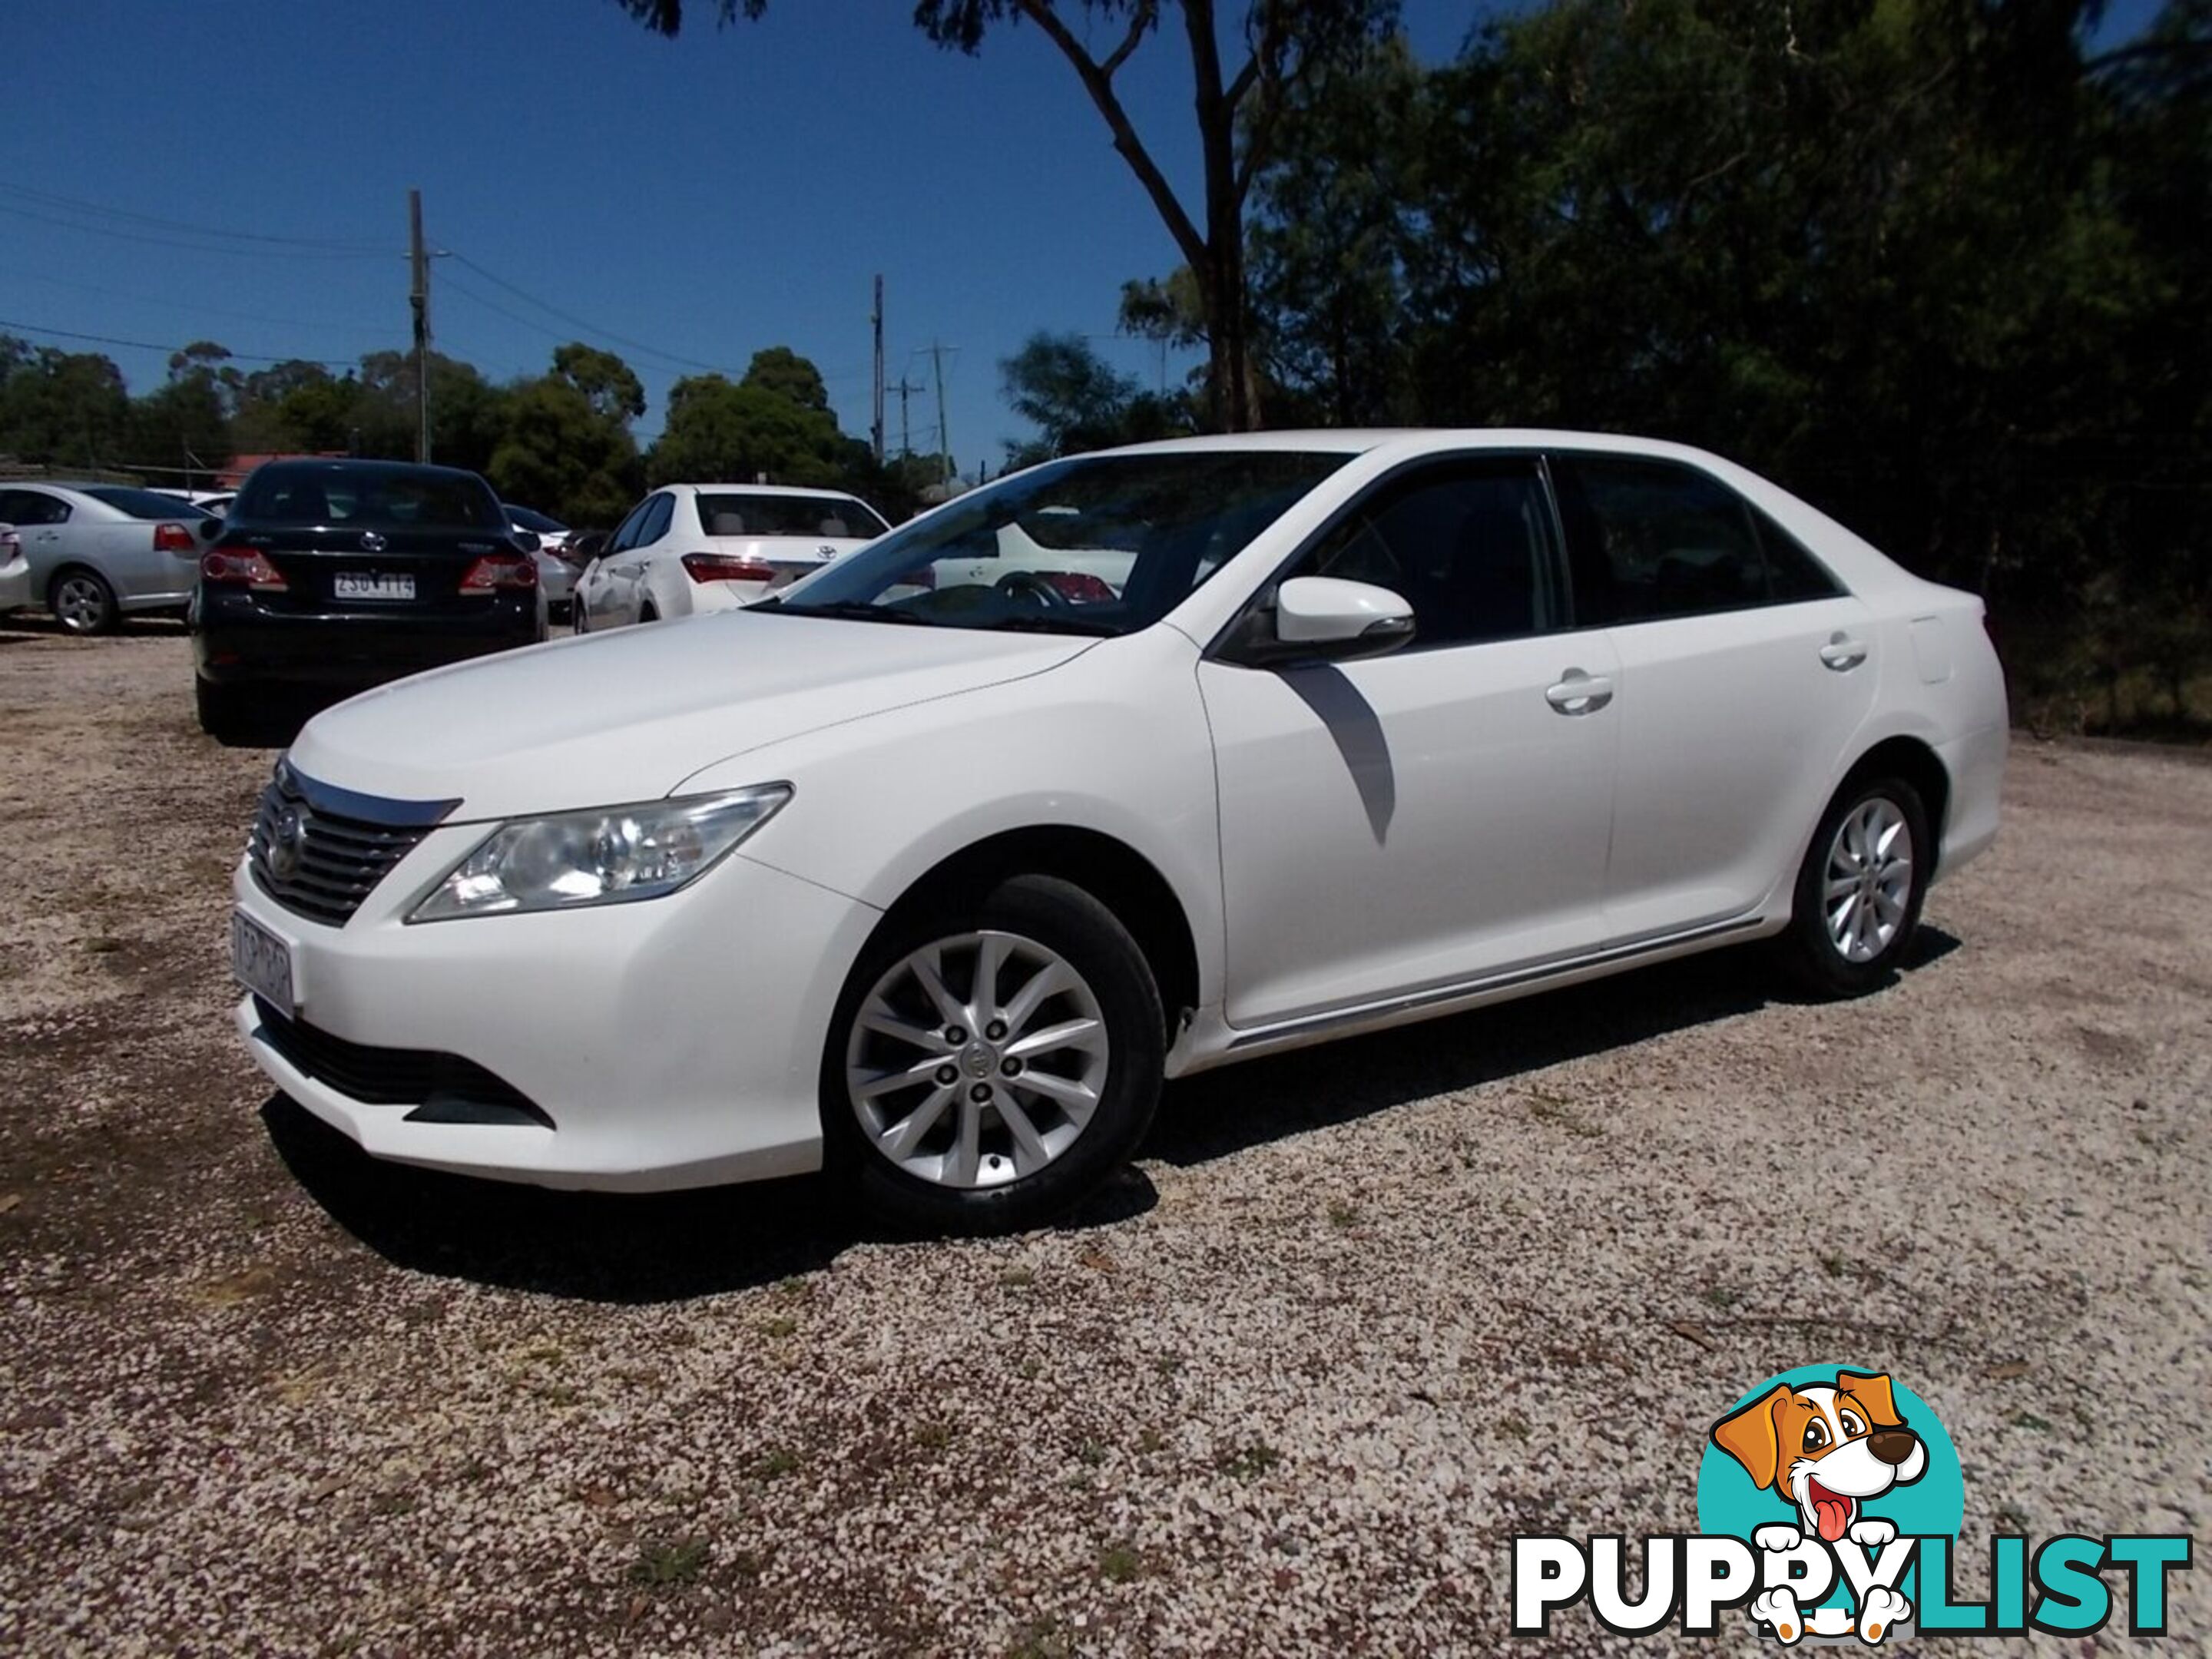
(611, 856)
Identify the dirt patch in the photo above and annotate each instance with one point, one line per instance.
(1356, 1317)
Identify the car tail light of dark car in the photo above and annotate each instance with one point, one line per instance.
(722, 567)
(497, 570)
(233, 568)
(172, 538)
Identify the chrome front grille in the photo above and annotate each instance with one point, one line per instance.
(321, 864)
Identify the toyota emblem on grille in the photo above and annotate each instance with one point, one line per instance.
(371, 542)
(827, 551)
(287, 838)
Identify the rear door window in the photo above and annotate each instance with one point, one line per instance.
(22, 506)
(1664, 539)
(658, 513)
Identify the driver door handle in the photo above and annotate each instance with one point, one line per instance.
(1578, 693)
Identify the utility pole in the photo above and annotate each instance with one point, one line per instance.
(877, 320)
(944, 437)
(419, 297)
(906, 429)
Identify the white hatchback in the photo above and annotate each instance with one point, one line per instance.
(933, 866)
(689, 548)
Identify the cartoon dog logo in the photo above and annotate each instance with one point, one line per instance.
(1826, 1450)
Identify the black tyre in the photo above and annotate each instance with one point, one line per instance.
(1858, 902)
(993, 1059)
(81, 601)
(221, 709)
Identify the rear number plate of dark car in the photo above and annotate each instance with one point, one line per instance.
(372, 585)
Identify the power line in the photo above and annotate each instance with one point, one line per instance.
(173, 242)
(178, 225)
(575, 321)
(151, 345)
(186, 305)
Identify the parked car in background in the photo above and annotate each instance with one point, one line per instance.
(14, 571)
(689, 548)
(99, 552)
(930, 870)
(216, 501)
(548, 539)
(347, 574)
(583, 546)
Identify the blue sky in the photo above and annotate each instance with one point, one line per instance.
(705, 197)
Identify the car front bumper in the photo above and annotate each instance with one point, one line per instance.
(673, 1042)
(16, 584)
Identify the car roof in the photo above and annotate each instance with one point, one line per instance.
(349, 463)
(1415, 440)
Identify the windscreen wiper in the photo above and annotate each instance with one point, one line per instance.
(1050, 622)
(852, 609)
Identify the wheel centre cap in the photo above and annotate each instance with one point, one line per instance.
(978, 1060)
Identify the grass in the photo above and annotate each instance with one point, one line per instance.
(1721, 1297)
(1341, 1214)
(1561, 1115)
(2030, 1420)
(1249, 1463)
(1018, 1279)
(1091, 1454)
(934, 1436)
(679, 1562)
(1121, 1564)
(777, 1463)
(779, 1326)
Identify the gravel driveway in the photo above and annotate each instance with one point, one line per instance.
(1358, 1315)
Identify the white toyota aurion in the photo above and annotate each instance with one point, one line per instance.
(933, 866)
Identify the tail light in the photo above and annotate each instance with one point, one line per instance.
(235, 568)
(1079, 586)
(172, 538)
(495, 571)
(723, 568)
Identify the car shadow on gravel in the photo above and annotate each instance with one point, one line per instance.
(1221, 1112)
(599, 1247)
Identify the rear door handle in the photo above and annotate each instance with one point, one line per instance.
(1578, 693)
(1842, 654)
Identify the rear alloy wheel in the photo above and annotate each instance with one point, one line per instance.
(986, 1070)
(1859, 892)
(82, 602)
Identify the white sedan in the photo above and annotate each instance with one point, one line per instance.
(1130, 765)
(688, 548)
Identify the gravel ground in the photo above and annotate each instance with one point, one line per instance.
(1356, 1317)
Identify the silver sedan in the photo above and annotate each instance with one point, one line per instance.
(99, 551)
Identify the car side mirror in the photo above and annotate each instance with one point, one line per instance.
(209, 529)
(528, 540)
(1322, 619)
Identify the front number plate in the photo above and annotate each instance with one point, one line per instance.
(262, 961)
(372, 585)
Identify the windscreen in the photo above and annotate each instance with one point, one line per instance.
(732, 513)
(534, 521)
(340, 495)
(1097, 544)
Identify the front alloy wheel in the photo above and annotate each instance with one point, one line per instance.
(988, 1069)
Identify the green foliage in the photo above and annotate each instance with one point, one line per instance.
(1079, 402)
(773, 425)
(784, 372)
(1915, 260)
(61, 408)
(561, 452)
(608, 384)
